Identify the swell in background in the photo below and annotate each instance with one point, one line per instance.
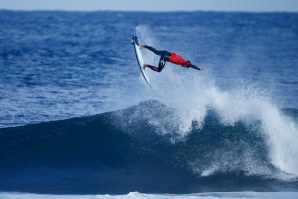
(57, 65)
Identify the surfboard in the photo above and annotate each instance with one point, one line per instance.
(139, 57)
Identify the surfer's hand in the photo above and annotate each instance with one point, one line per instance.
(202, 69)
(142, 46)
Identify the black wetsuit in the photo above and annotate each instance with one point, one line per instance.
(164, 57)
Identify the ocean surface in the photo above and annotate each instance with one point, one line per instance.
(77, 119)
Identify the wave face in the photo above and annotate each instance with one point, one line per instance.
(126, 150)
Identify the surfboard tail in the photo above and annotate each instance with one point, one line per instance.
(133, 39)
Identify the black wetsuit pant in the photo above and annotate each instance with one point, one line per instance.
(164, 57)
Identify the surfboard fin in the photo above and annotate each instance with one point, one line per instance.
(132, 40)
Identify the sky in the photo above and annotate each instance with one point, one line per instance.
(153, 5)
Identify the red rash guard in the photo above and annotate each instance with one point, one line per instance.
(177, 59)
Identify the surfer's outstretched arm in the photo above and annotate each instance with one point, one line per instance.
(195, 67)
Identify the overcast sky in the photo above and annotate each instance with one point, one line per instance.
(152, 5)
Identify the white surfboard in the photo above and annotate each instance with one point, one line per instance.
(139, 56)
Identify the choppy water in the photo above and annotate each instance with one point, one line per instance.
(230, 128)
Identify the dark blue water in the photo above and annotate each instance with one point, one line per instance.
(232, 127)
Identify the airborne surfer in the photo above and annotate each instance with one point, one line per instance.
(168, 56)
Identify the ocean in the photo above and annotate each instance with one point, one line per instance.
(77, 119)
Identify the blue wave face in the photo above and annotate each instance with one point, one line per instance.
(97, 154)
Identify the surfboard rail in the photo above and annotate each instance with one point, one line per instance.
(139, 57)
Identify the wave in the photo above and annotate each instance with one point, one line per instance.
(139, 148)
(192, 94)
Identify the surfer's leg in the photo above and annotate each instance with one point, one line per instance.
(154, 68)
(157, 52)
(164, 56)
(161, 65)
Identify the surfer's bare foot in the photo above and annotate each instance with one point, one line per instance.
(142, 46)
(144, 66)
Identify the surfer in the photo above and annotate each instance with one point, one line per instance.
(168, 56)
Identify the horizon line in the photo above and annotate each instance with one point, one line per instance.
(149, 11)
